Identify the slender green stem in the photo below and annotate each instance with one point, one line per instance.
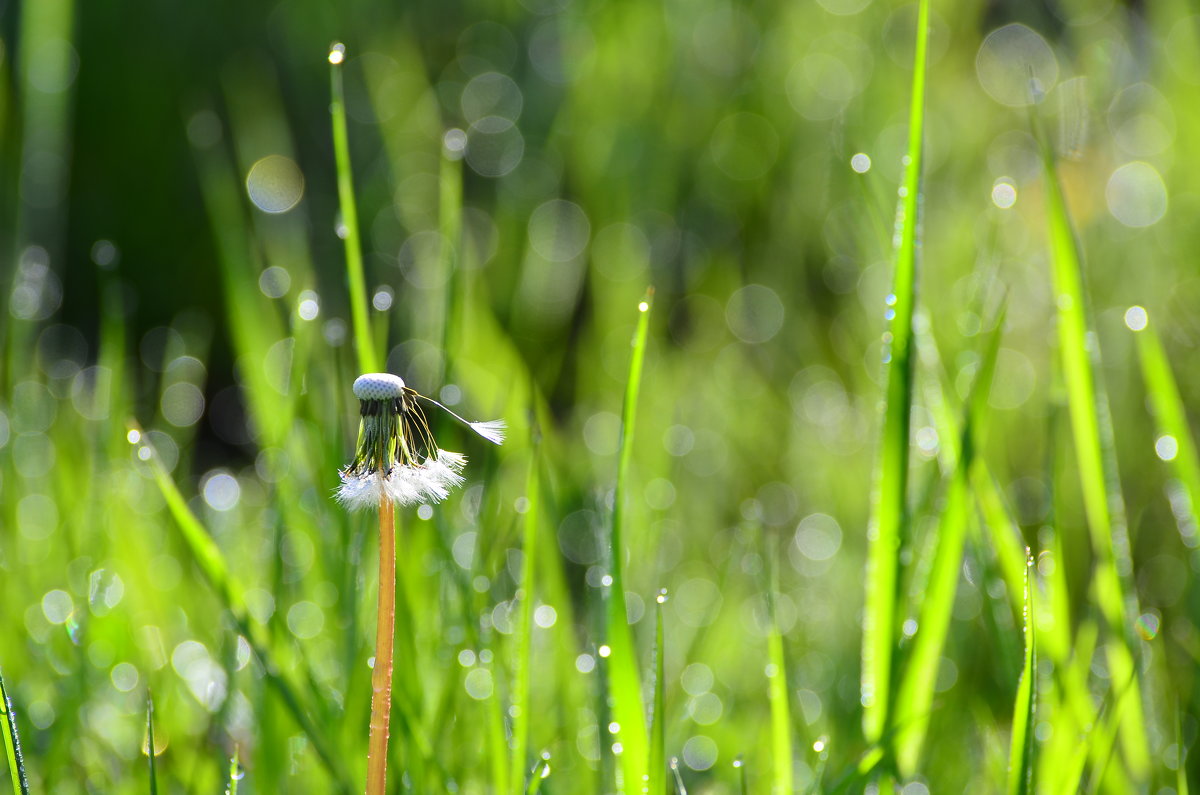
(1020, 764)
(889, 520)
(781, 711)
(657, 768)
(368, 361)
(624, 680)
(151, 754)
(235, 773)
(521, 720)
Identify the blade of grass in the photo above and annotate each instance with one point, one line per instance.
(657, 784)
(12, 743)
(1095, 458)
(1170, 414)
(889, 516)
(211, 562)
(151, 748)
(521, 719)
(915, 694)
(235, 773)
(777, 694)
(1020, 760)
(624, 679)
(739, 764)
(368, 362)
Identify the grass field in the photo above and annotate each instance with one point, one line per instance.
(846, 350)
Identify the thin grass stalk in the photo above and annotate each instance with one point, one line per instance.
(657, 783)
(1170, 415)
(524, 661)
(777, 693)
(381, 673)
(150, 745)
(208, 557)
(1021, 762)
(368, 362)
(1093, 436)
(235, 773)
(914, 697)
(889, 519)
(12, 744)
(624, 679)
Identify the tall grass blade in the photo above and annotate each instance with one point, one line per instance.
(1093, 436)
(151, 746)
(657, 783)
(624, 679)
(889, 519)
(521, 700)
(12, 744)
(777, 692)
(368, 361)
(207, 556)
(915, 694)
(1175, 442)
(1020, 760)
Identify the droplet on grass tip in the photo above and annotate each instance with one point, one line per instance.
(337, 53)
(1136, 318)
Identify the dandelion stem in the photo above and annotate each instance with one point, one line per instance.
(381, 675)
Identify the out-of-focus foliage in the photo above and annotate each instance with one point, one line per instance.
(176, 321)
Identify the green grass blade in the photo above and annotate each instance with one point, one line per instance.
(1020, 761)
(915, 694)
(521, 720)
(151, 746)
(657, 784)
(235, 773)
(368, 361)
(889, 513)
(624, 679)
(207, 555)
(12, 744)
(739, 764)
(1093, 437)
(1170, 414)
(777, 693)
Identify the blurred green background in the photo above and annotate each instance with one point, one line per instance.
(173, 257)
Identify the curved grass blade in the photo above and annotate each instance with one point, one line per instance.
(12, 744)
(368, 362)
(889, 515)
(777, 693)
(211, 562)
(521, 720)
(1020, 759)
(1092, 432)
(915, 695)
(1171, 418)
(624, 680)
(151, 746)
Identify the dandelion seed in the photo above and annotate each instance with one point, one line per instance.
(398, 459)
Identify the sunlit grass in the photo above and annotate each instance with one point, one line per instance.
(518, 176)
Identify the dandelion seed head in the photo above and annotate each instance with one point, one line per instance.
(378, 386)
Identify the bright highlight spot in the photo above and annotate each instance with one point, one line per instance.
(1136, 318)
(337, 53)
(860, 163)
(275, 184)
(1166, 447)
(1004, 193)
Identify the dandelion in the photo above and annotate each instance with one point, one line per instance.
(398, 459)
(398, 462)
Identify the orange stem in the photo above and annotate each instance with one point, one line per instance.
(381, 674)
